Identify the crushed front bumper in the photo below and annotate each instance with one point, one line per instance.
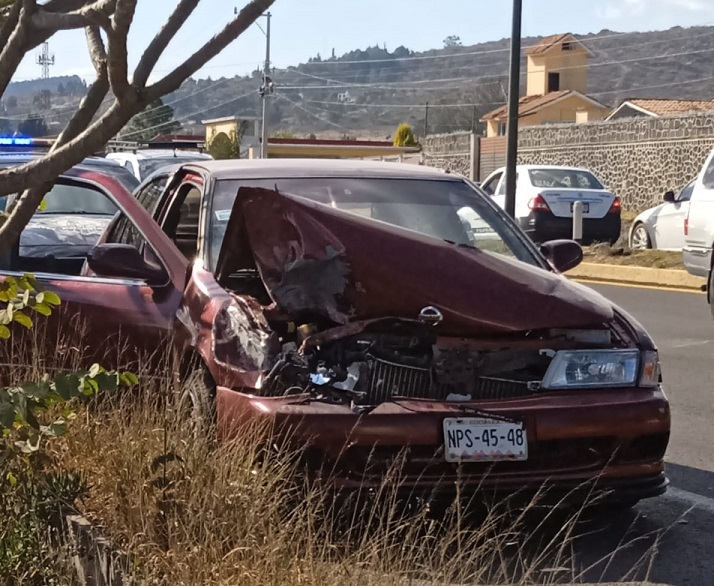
(604, 441)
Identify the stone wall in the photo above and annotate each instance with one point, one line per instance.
(448, 151)
(638, 158)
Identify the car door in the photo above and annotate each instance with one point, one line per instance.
(491, 183)
(117, 319)
(669, 226)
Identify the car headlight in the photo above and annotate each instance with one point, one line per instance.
(593, 369)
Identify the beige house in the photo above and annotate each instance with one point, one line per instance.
(556, 87)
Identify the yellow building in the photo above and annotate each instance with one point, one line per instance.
(556, 86)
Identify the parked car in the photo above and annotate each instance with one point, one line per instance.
(68, 225)
(699, 227)
(143, 162)
(544, 202)
(662, 226)
(348, 302)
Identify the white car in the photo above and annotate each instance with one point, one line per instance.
(544, 202)
(699, 228)
(143, 162)
(662, 226)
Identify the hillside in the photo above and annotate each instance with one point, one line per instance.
(370, 91)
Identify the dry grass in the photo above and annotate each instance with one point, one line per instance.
(623, 255)
(189, 511)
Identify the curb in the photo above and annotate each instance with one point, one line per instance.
(633, 275)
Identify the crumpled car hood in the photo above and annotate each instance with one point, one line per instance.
(61, 235)
(320, 263)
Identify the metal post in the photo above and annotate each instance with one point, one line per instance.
(426, 120)
(514, 82)
(474, 158)
(265, 90)
(578, 221)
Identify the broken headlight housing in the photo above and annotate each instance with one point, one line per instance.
(597, 369)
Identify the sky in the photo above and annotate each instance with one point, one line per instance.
(301, 29)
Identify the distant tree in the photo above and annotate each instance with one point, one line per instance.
(61, 90)
(282, 134)
(5, 126)
(33, 126)
(452, 41)
(312, 136)
(42, 99)
(227, 146)
(333, 54)
(11, 102)
(404, 136)
(157, 118)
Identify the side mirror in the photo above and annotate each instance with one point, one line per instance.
(562, 254)
(123, 260)
(669, 196)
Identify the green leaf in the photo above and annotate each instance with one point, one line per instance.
(40, 298)
(94, 370)
(7, 415)
(26, 297)
(43, 309)
(22, 319)
(107, 381)
(67, 386)
(52, 298)
(90, 387)
(11, 478)
(57, 428)
(43, 205)
(4, 332)
(128, 379)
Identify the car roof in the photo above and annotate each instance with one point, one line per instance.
(159, 153)
(533, 167)
(13, 158)
(275, 168)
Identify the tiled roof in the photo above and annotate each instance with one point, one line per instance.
(663, 107)
(527, 105)
(546, 43)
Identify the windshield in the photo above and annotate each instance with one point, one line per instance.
(564, 179)
(148, 166)
(122, 175)
(447, 210)
(73, 199)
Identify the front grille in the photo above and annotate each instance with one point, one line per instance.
(389, 379)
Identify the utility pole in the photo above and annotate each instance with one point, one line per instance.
(514, 84)
(265, 90)
(44, 60)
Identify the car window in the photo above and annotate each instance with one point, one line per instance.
(76, 200)
(564, 179)
(148, 196)
(686, 193)
(502, 186)
(148, 166)
(447, 210)
(182, 218)
(708, 178)
(490, 186)
(123, 231)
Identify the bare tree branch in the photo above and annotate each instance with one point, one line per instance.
(159, 43)
(209, 50)
(84, 134)
(12, 18)
(118, 68)
(15, 49)
(91, 103)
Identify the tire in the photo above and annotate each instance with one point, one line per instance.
(197, 401)
(639, 237)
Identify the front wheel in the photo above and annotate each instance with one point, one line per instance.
(197, 401)
(640, 239)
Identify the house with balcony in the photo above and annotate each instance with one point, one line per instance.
(556, 87)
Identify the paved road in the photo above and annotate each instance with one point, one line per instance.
(678, 529)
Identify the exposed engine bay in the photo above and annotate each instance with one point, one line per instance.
(408, 360)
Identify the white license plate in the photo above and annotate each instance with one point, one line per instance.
(477, 439)
(586, 207)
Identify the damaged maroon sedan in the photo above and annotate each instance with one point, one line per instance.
(378, 309)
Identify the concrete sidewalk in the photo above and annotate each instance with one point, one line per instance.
(633, 275)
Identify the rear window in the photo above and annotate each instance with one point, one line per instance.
(708, 179)
(564, 179)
